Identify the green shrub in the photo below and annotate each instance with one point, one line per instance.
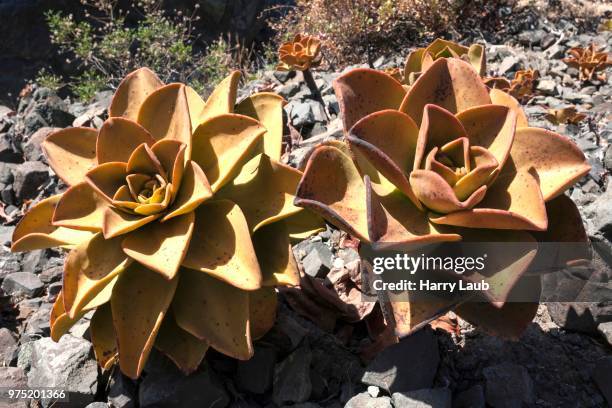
(106, 48)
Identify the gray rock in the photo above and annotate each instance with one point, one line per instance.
(121, 391)
(508, 385)
(53, 291)
(29, 177)
(365, 400)
(608, 158)
(302, 115)
(318, 261)
(374, 391)
(606, 330)
(38, 323)
(33, 260)
(425, 398)
(98, 404)
(555, 51)
(9, 263)
(255, 375)
(8, 347)
(473, 397)
(288, 90)
(22, 284)
(52, 274)
(283, 76)
(8, 153)
(408, 365)
(602, 375)
(170, 388)
(510, 63)
(24, 355)
(69, 365)
(546, 86)
(13, 377)
(292, 378)
(31, 148)
(6, 234)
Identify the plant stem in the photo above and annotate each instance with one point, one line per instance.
(314, 89)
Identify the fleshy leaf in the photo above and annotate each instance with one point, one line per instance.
(437, 195)
(185, 350)
(267, 108)
(139, 303)
(363, 91)
(165, 114)
(387, 139)
(492, 127)
(514, 201)
(438, 128)
(71, 153)
(106, 178)
(171, 156)
(394, 219)
(413, 63)
(262, 308)
(143, 161)
(59, 321)
(36, 230)
(558, 162)
(264, 189)
(477, 57)
(449, 83)
(103, 336)
(118, 138)
(80, 207)
(214, 311)
(410, 316)
(499, 97)
(117, 222)
(275, 255)
(332, 187)
(222, 143)
(131, 93)
(161, 246)
(220, 101)
(508, 321)
(222, 247)
(88, 269)
(193, 191)
(304, 224)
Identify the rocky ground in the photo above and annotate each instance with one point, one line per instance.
(563, 360)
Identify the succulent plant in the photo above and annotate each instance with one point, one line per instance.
(177, 217)
(588, 61)
(446, 160)
(565, 115)
(421, 59)
(521, 87)
(299, 54)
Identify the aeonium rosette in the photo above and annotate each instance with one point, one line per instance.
(446, 160)
(178, 217)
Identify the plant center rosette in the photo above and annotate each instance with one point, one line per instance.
(174, 207)
(446, 160)
(299, 54)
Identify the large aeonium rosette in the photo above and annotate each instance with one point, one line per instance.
(446, 160)
(178, 216)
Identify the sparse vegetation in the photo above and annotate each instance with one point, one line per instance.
(105, 47)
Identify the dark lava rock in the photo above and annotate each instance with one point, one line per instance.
(602, 375)
(292, 377)
(426, 398)
(508, 385)
(408, 365)
(22, 284)
(255, 375)
(29, 177)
